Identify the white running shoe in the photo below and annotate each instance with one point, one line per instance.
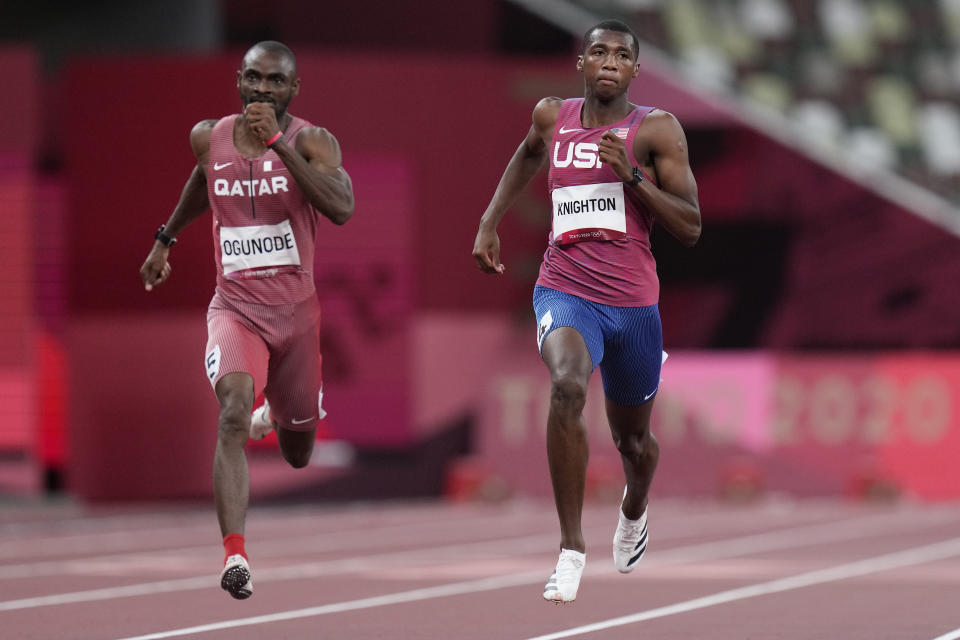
(235, 578)
(563, 583)
(261, 422)
(629, 541)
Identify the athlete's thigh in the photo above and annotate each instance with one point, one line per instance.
(626, 421)
(233, 346)
(631, 363)
(235, 392)
(294, 378)
(566, 355)
(568, 334)
(296, 441)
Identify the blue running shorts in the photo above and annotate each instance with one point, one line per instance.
(625, 342)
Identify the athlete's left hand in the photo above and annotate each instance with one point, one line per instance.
(486, 251)
(613, 152)
(155, 269)
(262, 120)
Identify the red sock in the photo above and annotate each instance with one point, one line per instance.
(233, 544)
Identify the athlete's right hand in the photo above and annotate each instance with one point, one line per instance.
(262, 120)
(155, 269)
(486, 251)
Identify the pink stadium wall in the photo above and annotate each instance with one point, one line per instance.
(426, 140)
(19, 104)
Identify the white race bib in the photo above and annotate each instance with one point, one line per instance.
(269, 245)
(589, 212)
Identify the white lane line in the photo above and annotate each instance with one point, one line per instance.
(292, 572)
(870, 526)
(133, 539)
(32, 546)
(350, 539)
(441, 591)
(110, 534)
(680, 523)
(896, 560)
(690, 525)
(918, 555)
(952, 635)
(356, 527)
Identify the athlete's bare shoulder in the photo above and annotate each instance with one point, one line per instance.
(315, 135)
(659, 120)
(546, 112)
(550, 103)
(660, 132)
(545, 116)
(317, 144)
(208, 123)
(200, 138)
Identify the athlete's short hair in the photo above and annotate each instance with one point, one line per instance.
(613, 25)
(272, 46)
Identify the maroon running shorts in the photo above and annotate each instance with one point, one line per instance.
(278, 345)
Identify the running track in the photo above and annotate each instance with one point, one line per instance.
(786, 570)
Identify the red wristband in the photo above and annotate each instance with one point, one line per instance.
(272, 141)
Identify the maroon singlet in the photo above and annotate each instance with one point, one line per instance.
(263, 226)
(621, 271)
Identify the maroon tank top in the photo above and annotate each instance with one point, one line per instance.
(263, 226)
(604, 254)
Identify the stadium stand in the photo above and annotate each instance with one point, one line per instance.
(877, 77)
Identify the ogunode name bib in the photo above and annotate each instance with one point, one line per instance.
(258, 246)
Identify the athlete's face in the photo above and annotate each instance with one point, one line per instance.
(608, 63)
(268, 77)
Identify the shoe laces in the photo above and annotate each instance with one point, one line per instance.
(630, 531)
(568, 567)
(236, 560)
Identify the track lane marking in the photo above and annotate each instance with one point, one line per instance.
(897, 560)
(415, 595)
(347, 540)
(809, 535)
(97, 539)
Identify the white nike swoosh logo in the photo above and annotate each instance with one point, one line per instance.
(647, 397)
(562, 130)
(302, 421)
(217, 166)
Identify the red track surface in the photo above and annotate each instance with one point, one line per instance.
(788, 570)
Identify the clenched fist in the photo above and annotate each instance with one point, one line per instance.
(262, 120)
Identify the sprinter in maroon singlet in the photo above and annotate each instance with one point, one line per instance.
(614, 170)
(268, 177)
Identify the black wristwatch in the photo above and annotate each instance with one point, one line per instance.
(636, 179)
(163, 238)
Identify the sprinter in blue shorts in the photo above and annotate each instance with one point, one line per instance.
(615, 169)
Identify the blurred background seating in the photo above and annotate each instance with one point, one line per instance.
(813, 329)
(875, 76)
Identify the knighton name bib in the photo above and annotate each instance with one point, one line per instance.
(256, 247)
(589, 212)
